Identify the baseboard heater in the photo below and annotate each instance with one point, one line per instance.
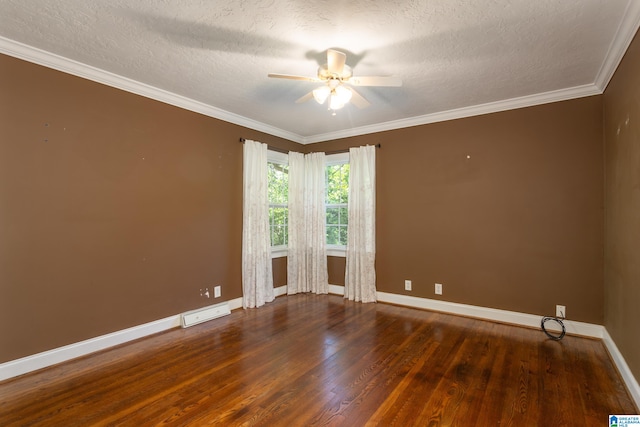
(204, 314)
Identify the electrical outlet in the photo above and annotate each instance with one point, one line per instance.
(407, 285)
(561, 311)
(438, 289)
(205, 293)
(216, 292)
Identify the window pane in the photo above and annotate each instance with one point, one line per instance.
(278, 191)
(344, 215)
(337, 183)
(278, 182)
(337, 187)
(278, 216)
(333, 216)
(343, 236)
(278, 235)
(332, 174)
(344, 184)
(333, 235)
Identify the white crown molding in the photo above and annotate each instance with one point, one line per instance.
(69, 66)
(459, 113)
(624, 35)
(621, 41)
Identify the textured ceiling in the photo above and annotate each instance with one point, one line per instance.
(455, 58)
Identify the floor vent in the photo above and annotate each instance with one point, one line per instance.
(200, 315)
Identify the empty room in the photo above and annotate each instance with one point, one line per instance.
(319, 213)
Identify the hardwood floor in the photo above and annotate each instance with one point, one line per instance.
(319, 360)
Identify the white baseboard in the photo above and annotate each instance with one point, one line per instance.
(516, 318)
(61, 354)
(280, 290)
(47, 358)
(523, 319)
(627, 376)
(333, 289)
(336, 289)
(42, 360)
(235, 303)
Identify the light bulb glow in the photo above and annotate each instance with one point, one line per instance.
(335, 103)
(343, 94)
(337, 94)
(340, 95)
(321, 94)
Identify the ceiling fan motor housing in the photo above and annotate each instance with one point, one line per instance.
(325, 74)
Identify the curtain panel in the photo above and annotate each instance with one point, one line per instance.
(360, 275)
(307, 258)
(257, 276)
(296, 271)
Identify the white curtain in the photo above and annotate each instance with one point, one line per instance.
(360, 275)
(257, 277)
(316, 219)
(296, 271)
(307, 258)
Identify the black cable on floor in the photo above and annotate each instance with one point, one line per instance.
(559, 321)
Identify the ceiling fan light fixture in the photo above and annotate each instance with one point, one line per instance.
(321, 94)
(337, 78)
(343, 93)
(340, 95)
(335, 103)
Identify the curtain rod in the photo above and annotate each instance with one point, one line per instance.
(270, 147)
(346, 150)
(280, 150)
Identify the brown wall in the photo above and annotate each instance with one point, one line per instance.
(622, 207)
(279, 267)
(117, 209)
(336, 270)
(517, 226)
(114, 209)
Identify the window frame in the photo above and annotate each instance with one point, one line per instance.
(332, 160)
(282, 159)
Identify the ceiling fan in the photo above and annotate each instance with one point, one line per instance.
(335, 75)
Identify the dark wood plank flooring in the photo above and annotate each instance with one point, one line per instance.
(320, 360)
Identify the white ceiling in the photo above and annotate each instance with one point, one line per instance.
(456, 58)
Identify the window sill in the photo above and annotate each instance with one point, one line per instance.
(279, 252)
(336, 251)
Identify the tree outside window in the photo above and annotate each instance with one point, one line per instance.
(337, 196)
(337, 187)
(278, 182)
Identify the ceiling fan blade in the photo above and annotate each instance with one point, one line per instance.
(335, 61)
(375, 81)
(290, 77)
(305, 98)
(358, 100)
